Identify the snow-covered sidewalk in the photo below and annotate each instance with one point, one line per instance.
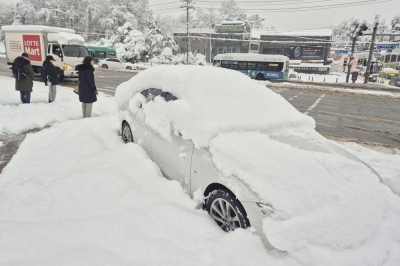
(334, 77)
(75, 194)
(16, 117)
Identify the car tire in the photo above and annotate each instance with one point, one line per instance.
(104, 66)
(260, 76)
(226, 210)
(127, 136)
(128, 68)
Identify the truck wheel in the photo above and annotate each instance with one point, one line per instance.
(60, 75)
(37, 70)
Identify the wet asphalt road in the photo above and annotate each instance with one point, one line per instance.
(367, 119)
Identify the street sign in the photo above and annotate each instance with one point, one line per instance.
(341, 52)
(382, 47)
(229, 28)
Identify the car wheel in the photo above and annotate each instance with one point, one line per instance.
(226, 210)
(128, 68)
(260, 76)
(126, 133)
(104, 66)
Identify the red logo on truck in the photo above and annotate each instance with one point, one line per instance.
(32, 47)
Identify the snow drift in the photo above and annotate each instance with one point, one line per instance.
(327, 201)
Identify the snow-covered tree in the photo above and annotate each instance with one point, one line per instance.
(129, 43)
(230, 11)
(395, 20)
(259, 24)
(155, 41)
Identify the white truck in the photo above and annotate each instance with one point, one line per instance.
(63, 44)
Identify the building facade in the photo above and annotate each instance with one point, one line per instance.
(305, 46)
(301, 46)
(227, 37)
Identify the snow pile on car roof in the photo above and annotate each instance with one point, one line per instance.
(211, 101)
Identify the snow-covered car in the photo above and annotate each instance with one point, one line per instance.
(114, 63)
(250, 156)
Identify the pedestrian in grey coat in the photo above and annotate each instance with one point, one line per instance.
(24, 86)
(52, 77)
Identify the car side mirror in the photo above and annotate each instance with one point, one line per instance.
(60, 55)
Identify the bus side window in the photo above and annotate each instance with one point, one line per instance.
(243, 65)
(260, 66)
(252, 66)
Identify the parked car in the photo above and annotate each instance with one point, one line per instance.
(114, 63)
(247, 151)
(395, 81)
(373, 77)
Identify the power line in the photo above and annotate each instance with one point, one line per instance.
(293, 2)
(311, 8)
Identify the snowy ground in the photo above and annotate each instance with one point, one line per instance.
(334, 77)
(82, 197)
(369, 89)
(145, 65)
(16, 117)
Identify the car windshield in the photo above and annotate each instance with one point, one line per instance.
(75, 51)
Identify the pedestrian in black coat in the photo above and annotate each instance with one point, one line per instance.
(52, 77)
(87, 85)
(24, 86)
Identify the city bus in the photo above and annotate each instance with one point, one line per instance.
(391, 60)
(256, 66)
(100, 53)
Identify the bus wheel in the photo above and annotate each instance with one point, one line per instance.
(260, 76)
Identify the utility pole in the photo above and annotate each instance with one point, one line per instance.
(355, 36)
(251, 23)
(187, 4)
(371, 49)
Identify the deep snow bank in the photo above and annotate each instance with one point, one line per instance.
(83, 197)
(16, 117)
(326, 201)
(387, 165)
(211, 101)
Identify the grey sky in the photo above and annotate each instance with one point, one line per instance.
(295, 20)
(301, 19)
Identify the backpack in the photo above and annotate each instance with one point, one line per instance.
(43, 74)
(18, 70)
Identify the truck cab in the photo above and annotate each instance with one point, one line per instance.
(63, 44)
